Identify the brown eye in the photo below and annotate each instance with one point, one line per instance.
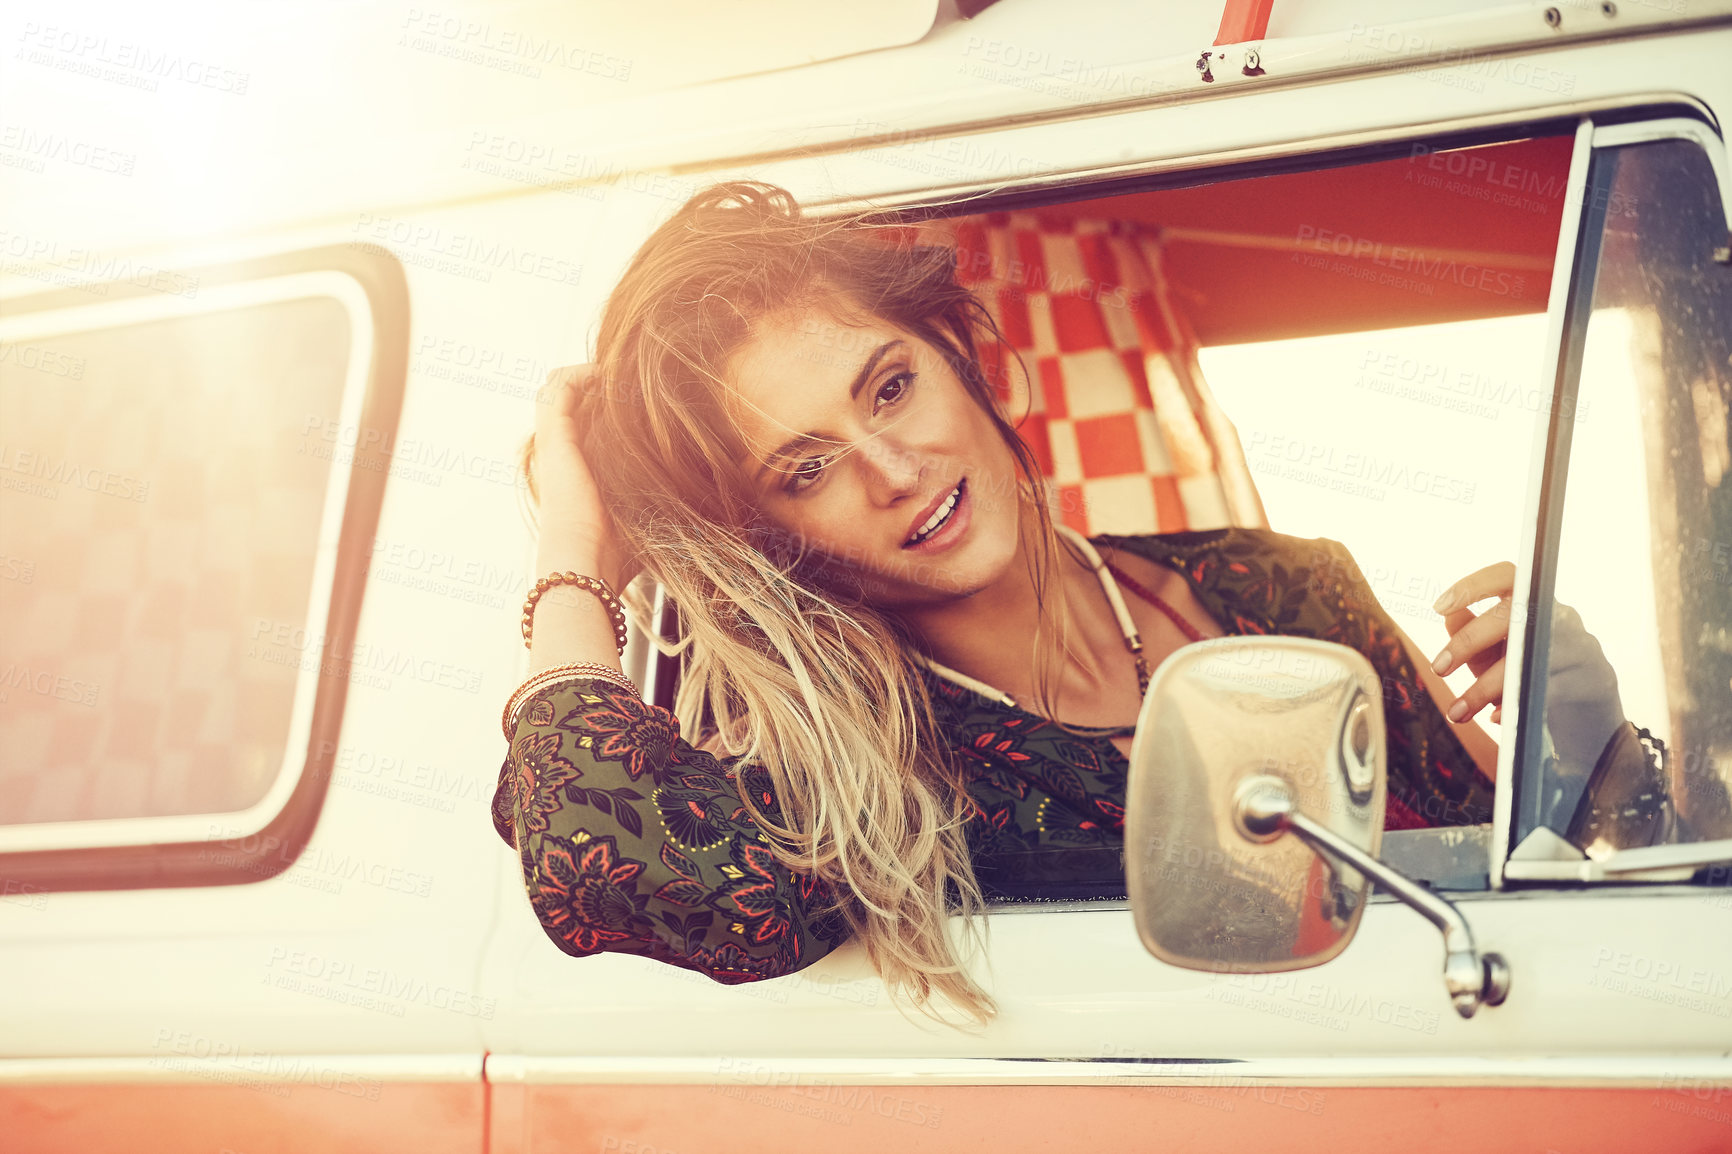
(893, 390)
(804, 474)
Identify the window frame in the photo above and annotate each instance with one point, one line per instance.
(1569, 305)
(266, 838)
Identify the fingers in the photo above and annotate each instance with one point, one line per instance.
(1455, 620)
(1486, 658)
(555, 441)
(1476, 640)
(558, 397)
(1497, 580)
(1472, 644)
(1487, 690)
(1482, 660)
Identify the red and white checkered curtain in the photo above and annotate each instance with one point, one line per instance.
(1119, 415)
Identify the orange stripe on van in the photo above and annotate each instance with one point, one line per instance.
(256, 1118)
(821, 1118)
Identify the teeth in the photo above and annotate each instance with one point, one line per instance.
(938, 518)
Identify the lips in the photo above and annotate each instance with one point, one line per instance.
(935, 516)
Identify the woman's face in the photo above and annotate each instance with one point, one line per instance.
(865, 446)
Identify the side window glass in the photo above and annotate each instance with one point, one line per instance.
(175, 494)
(1643, 558)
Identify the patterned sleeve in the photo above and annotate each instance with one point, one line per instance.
(635, 841)
(1433, 780)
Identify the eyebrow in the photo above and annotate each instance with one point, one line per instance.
(786, 448)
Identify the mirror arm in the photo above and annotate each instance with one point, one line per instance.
(1471, 978)
(1266, 810)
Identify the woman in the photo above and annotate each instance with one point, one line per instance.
(902, 688)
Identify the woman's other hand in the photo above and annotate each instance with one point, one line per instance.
(1477, 640)
(1582, 704)
(576, 530)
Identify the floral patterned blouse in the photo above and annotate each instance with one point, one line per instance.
(633, 840)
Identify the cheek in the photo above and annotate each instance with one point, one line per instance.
(829, 519)
(969, 422)
(954, 430)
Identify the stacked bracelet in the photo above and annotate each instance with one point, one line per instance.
(537, 682)
(589, 584)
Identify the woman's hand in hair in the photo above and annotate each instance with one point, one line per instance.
(576, 531)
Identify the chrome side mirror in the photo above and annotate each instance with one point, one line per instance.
(1243, 740)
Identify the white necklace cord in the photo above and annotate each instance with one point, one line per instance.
(1133, 640)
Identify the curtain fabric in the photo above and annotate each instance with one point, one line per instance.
(1118, 413)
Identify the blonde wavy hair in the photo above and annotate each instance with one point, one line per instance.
(784, 663)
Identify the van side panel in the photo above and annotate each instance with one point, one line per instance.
(244, 1117)
(435, 1118)
(1228, 1116)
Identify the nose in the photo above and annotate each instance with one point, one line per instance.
(892, 471)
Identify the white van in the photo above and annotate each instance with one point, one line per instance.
(262, 553)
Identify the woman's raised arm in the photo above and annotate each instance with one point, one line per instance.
(577, 535)
(631, 839)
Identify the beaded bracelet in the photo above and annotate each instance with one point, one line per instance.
(539, 681)
(588, 584)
